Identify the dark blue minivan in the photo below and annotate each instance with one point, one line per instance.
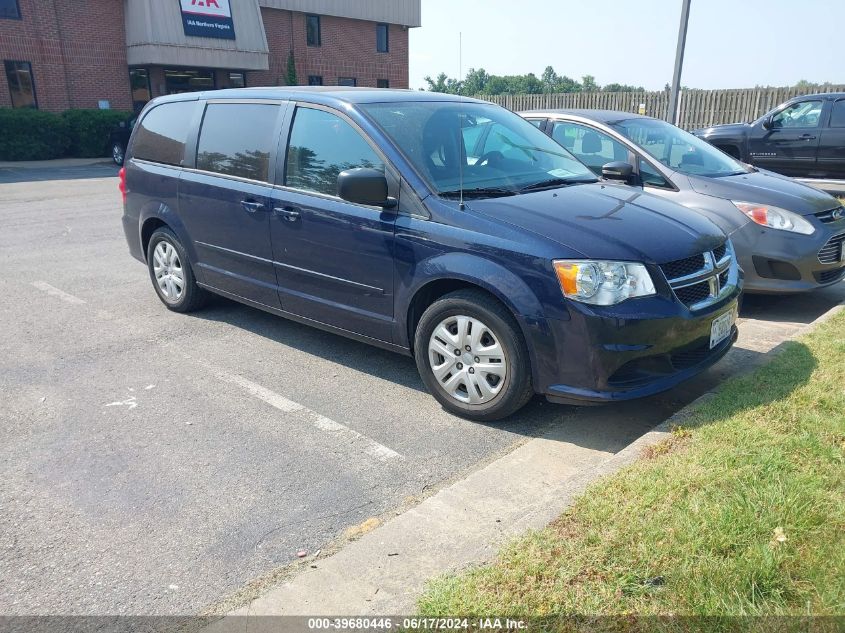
(448, 229)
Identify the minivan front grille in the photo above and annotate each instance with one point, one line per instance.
(701, 280)
(832, 251)
(683, 267)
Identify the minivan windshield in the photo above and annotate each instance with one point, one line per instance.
(484, 149)
(677, 149)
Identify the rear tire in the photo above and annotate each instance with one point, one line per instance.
(472, 357)
(171, 273)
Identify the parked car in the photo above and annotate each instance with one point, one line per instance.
(507, 273)
(119, 139)
(788, 236)
(803, 138)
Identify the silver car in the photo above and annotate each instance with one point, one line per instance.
(789, 237)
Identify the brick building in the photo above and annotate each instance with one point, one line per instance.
(121, 53)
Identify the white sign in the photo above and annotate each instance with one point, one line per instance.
(216, 8)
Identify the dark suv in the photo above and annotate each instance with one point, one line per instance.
(803, 138)
(506, 273)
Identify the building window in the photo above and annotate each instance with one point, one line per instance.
(139, 83)
(188, 80)
(347, 81)
(381, 38)
(237, 80)
(312, 30)
(315, 80)
(382, 83)
(10, 9)
(21, 84)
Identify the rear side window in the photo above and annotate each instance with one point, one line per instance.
(236, 139)
(321, 146)
(837, 117)
(163, 131)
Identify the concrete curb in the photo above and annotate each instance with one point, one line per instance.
(461, 525)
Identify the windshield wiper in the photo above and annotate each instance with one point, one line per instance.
(555, 182)
(480, 192)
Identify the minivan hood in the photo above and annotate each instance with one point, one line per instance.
(603, 221)
(766, 187)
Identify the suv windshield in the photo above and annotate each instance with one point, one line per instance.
(485, 148)
(677, 149)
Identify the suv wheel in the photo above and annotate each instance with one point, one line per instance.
(118, 154)
(171, 273)
(471, 356)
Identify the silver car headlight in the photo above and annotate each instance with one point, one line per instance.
(775, 217)
(603, 283)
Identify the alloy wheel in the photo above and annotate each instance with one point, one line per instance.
(168, 271)
(467, 360)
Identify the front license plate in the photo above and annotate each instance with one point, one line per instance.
(720, 329)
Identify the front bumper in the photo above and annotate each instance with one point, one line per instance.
(632, 350)
(780, 262)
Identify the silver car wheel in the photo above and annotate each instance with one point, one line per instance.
(168, 271)
(117, 153)
(467, 360)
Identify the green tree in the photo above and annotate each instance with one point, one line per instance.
(290, 75)
(588, 84)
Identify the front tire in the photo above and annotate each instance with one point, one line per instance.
(171, 273)
(471, 356)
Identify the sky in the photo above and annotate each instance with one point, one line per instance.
(730, 43)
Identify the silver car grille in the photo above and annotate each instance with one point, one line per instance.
(703, 279)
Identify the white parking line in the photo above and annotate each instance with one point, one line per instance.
(55, 292)
(370, 446)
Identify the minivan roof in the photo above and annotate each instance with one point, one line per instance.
(327, 95)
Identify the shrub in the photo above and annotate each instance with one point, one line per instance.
(89, 130)
(32, 135)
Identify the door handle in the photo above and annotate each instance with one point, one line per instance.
(290, 214)
(251, 206)
(807, 137)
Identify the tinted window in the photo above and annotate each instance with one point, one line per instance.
(536, 122)
(163, 132)
(677, 149)
(382, 83)
(347, 81)
(321, 146)
(315, 80)
(594, 148)
(312, 30)
(650, 176)
(9, 9)
(381, 38)
(445, 142)
(837, 117)
(801, 114)
(21, 84)
(236, 139)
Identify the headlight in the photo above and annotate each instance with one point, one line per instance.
(775, 217)
(603, 283)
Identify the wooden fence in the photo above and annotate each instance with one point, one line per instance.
(697, 108)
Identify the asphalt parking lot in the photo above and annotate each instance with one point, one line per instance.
(155, 463)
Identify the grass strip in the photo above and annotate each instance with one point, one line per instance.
(739, 513)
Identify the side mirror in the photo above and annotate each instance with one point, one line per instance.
(617, 170)
(363, 185)
(768, 124)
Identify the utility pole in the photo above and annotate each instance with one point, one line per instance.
(679, 63)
